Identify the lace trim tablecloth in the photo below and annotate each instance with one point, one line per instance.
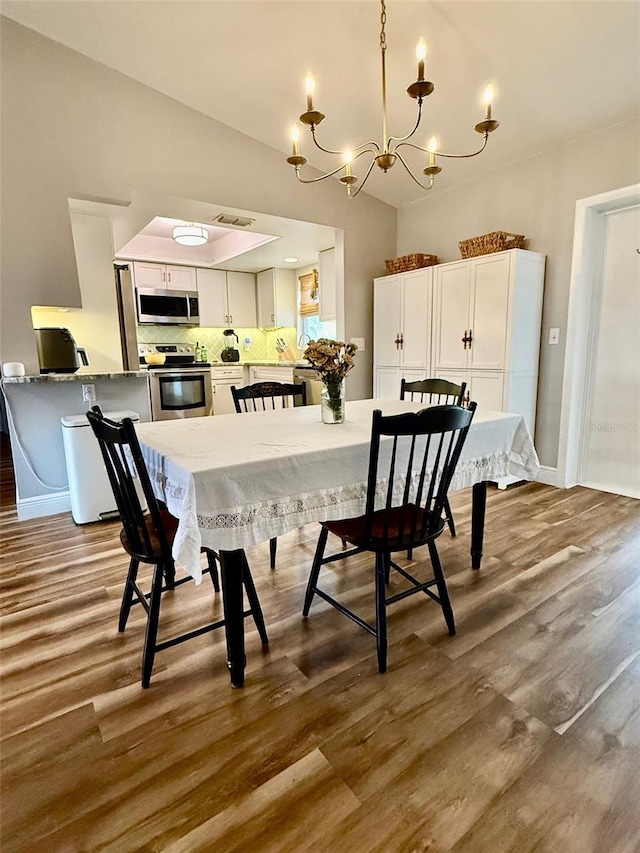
(234, 481)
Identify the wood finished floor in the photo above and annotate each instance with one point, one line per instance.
(520, 734)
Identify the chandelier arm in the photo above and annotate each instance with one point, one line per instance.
(364, 180)
(409, 135)
(362, 148)
(442, 154)
(320, 177)
(404, 163)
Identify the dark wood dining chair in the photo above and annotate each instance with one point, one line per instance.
(264, 396)
(147, 536)
(414, 457)
(435, 392)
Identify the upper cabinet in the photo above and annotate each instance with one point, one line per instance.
(227, 298)
(327, 284)
(164, 276)
(487, 312)
(276, 290)
(402, 320)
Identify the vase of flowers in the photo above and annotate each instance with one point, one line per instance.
(332, 360)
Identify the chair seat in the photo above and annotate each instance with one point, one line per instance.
(390, 528)
(169, 524)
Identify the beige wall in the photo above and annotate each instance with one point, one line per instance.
(536, 198)
(74, 128)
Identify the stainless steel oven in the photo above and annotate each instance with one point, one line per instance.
(181, 387)
(180, 393)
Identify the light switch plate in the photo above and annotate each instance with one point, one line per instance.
(554, 336)
(359, 342)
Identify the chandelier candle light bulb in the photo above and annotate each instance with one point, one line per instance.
(421, 55)
(295, 139)
(310, 87)
(432, 148)
(385, 153)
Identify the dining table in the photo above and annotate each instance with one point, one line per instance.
(233, 482)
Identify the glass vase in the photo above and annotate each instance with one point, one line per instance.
(332, 402)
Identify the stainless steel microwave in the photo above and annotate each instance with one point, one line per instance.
(158, 307)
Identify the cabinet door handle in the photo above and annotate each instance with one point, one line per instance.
(401, 341)
(231, 318)
(169, 277)
(467, 339)
(470, 337)
(398, 340)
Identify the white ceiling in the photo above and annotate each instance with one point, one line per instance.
(142, 230)
(561, 69)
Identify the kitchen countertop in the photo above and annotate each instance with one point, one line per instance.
(254, 363)
(76, 377)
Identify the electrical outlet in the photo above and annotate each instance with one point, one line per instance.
(359, 342)
(88, 393)
(554, 336)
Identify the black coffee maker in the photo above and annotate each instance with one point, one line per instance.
(230, 353)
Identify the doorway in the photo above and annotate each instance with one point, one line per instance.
(610, 458)
(599, 428)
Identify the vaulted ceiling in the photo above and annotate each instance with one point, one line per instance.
(561, 69)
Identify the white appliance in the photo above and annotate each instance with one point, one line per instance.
(222, 378)
(89, 487)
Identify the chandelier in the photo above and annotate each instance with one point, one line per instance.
(385, 155)
(190, 234)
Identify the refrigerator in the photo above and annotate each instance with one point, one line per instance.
(125, 300)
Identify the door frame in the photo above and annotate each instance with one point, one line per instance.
(586, 271)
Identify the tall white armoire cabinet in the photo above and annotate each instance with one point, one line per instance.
(401, 329)
(483, 323)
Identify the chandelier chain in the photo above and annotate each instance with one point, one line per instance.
(383, 21)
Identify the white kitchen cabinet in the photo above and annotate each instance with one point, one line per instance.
(164, 276)
(222, 378)
(276, 291)
(327, 284)
(486, 328)
(226, 298)
(402, 320)
(386, 381)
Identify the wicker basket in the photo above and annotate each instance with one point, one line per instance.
(410, 262)
(486, 244)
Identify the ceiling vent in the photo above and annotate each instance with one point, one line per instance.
(230, 219)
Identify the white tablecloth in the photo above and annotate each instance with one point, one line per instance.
(237, 480)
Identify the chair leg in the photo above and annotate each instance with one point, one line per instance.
(381, 610)
(170, 575)
(442, 588)
(152, 625)
(449, 514)
(254, 601)
(273, 547)
(212, 562)
(127, 595)
(387, 568)
(315, 570)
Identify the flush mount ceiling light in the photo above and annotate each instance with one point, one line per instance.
(385, 155)
(290, 260)
(190, 235)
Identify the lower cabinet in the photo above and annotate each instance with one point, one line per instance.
(387, 380)
(222, 378)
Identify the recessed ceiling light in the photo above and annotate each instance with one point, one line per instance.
(290, 260)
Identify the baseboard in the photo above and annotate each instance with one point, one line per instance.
(43, 505)
(548, 475)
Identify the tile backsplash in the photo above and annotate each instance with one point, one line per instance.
(261, 348)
